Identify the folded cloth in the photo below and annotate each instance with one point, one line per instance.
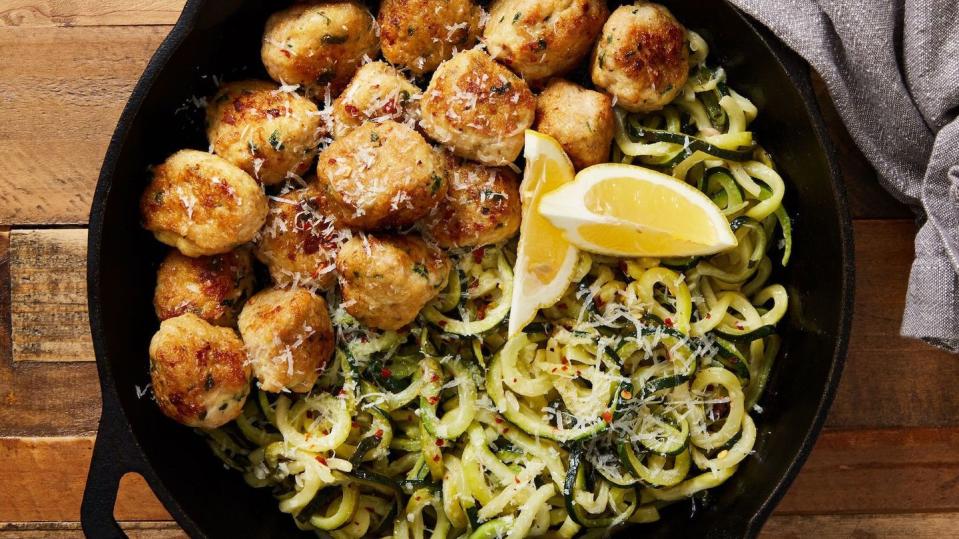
(892, 69)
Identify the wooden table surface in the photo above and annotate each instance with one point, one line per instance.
(886, 465)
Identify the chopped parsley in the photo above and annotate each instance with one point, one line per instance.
(330, 39)
(420, 269)
(516, 17)
(437, 183)
(502, 89)
(275, 141)
(374, 136)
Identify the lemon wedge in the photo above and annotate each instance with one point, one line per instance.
(629, 211)
(545, 260)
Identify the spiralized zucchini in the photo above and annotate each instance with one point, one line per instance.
(632, 392)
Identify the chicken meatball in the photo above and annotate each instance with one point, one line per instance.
(386, 280)
(383, 175)
(540, 38)
(580, 120)
(202, 204)
(421, 34)
(198, 371)
(378, 92)
(317, 44)
(211, 287)
(478, 108)
(481, 207)
(642, 57)
(266, 132)
(298, 243)
(288, 336)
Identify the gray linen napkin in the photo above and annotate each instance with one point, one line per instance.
(892, 69)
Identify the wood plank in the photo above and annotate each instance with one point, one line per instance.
(890, 381)
(867, 198)
(161, 529)
(49, 295)
(59, 110)
(862, 526)
(38, 470)
(37, 398)
(878, 471)
(39, 13)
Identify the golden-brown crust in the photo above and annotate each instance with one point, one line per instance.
(378, 91)
(542, 38)
(642, 57)
(202, 204)
(478, 108)
(481, 207)
(289, 337)
(211, 287)
(580, 120)
(266, 132)
(382, 175)
(421, 34)
(299, 241)
(198, 372)
(386, 280)
(317, 44)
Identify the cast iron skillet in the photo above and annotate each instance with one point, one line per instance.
(222, 38)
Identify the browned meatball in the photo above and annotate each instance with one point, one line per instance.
(383, 175)
(386, 280)
(642, 57)
(420, 34)
(199, 373)
(202, 204)
(289, 337)
(378, 92)
(299, 241)
(266, 132)
(481, 207)
(579, 119)
(316, 44)
(541, 38)
(211, 287)
(478, 108)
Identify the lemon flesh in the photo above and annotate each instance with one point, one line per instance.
(630, 211)
(545, 260)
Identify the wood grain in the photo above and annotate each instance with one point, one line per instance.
(39, 13)
(923, 525)
(49, 295)
(59, 110)
(41, 399)
(42, 479)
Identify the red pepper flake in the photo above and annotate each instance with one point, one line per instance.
(739, 326)
(331, 161)
(285, 52)
(564, 360)
(478, 254)
(436, 458)
(352, 110)
(608, 416)
(561, 305)
(433, 400)
(439, 442)
(505, 430)
(554, 369)
(321, 459)
(441, 323)
(708, 316)
(668, 322)
(386, 373)
(497, 420)
(378, 433)
(435, 377)
(516, 479)
(626, 394)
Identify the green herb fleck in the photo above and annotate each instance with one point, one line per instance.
(275, 141)
(330, 39)
(502, 89)
(209, 383)
(374, 137)
(437, 183)
(410, 30)
(253, 147)
(421, 270)
(516, 17)
(602, 60)
(158, 197)
(404, 96)
(541, 44)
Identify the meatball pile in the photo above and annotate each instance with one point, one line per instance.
(382, 141)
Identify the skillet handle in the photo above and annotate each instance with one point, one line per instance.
(112, 458)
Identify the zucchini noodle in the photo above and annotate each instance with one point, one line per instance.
(632, 392)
